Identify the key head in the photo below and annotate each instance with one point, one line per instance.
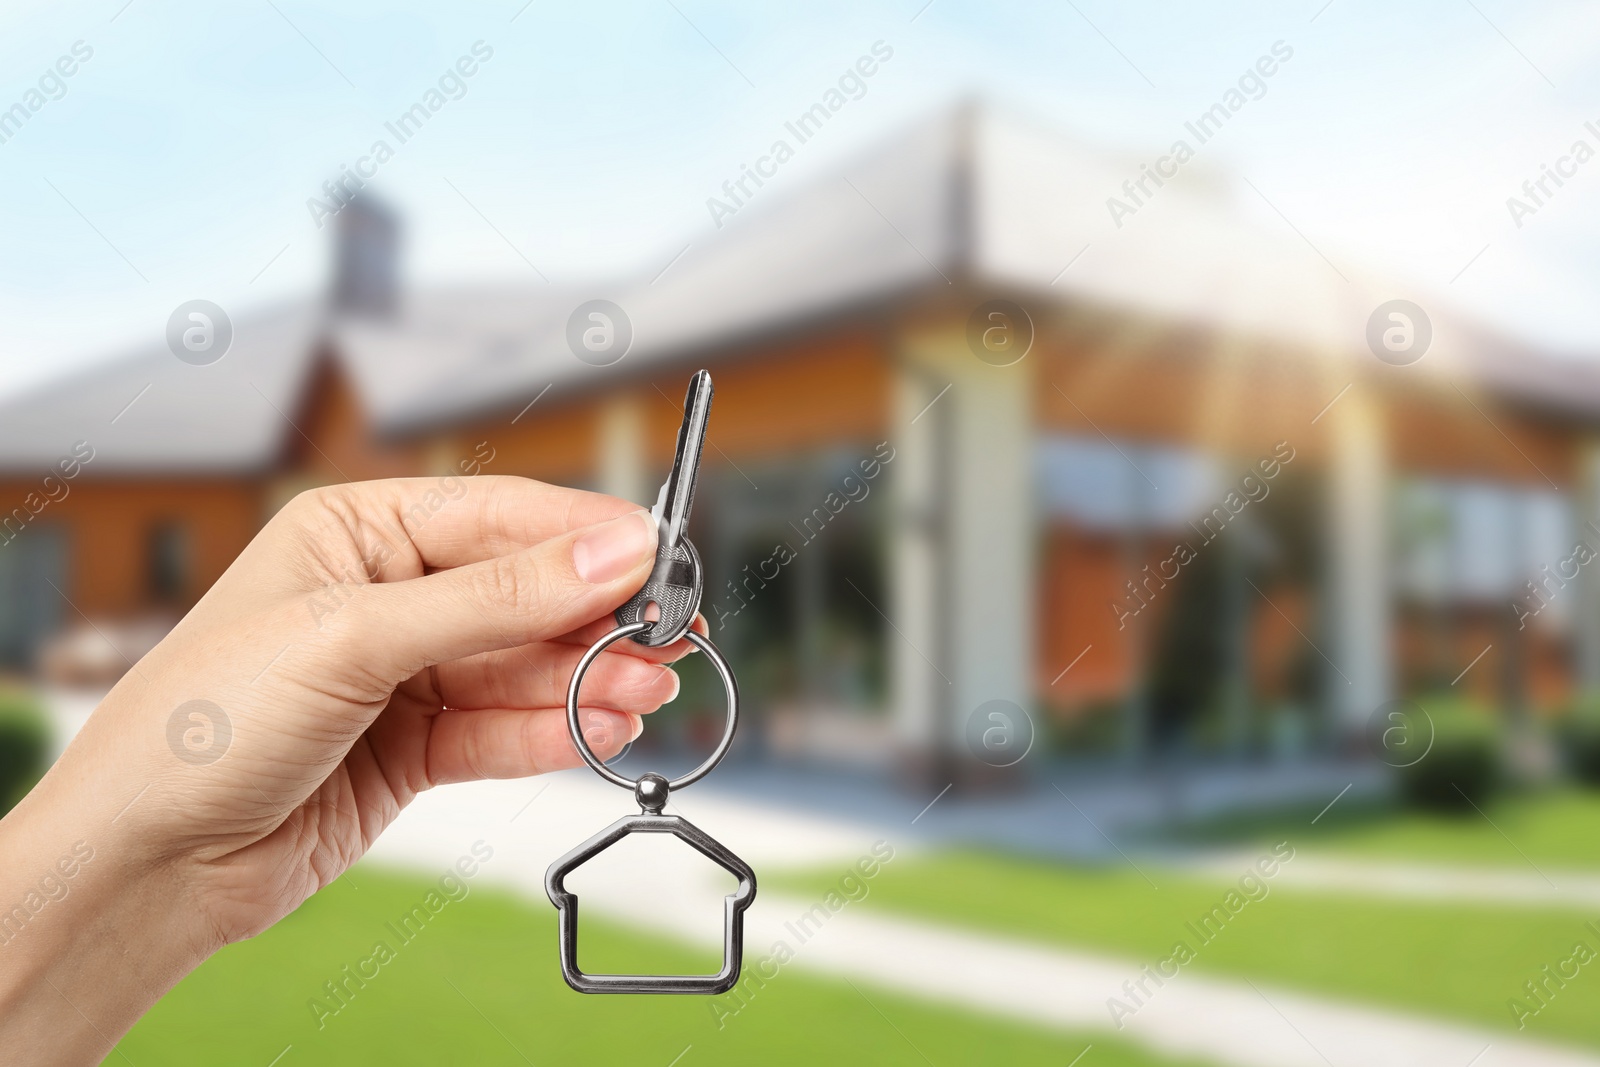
(674, 586)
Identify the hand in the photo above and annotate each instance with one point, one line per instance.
(373, 641)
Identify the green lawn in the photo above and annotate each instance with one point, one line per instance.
(1557, 829)
(480, 984)
(1446, 959)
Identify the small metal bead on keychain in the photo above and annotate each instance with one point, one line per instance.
(674, 586)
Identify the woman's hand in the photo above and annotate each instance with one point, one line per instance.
(373, 641)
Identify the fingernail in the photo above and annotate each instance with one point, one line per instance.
(638, 726)
(605, 726)
(677, 684)
(614, 548)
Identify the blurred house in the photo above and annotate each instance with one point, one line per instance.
(1174, 503)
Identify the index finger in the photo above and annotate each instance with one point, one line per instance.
(454, 521)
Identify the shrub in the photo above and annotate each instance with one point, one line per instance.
(1578, 733)
(1462, 768)
(1089, 730)
(24, 745)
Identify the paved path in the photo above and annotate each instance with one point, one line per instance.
(1522, 886)
(1059, 810)
(1228, 1022)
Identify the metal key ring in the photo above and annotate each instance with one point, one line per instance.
(704, 645)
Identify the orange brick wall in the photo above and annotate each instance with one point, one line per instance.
(107, 523)
(776, 401)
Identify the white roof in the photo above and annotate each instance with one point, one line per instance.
(972, 197)
(153, 413)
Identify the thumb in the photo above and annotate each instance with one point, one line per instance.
(538, 593)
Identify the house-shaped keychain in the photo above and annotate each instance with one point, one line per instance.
(652, 822)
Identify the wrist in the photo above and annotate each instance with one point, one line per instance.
(93, 929)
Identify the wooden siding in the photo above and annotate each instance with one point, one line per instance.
(108, 525)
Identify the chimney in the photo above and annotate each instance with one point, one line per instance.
(366, 272)
(964, 120)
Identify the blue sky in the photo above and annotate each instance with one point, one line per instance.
(178, 163)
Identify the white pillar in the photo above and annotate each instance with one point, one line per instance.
(963, 549)
(991, 554)
(917, 694)
(620, 467)
(1358, 476)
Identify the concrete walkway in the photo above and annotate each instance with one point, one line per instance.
(1058, 810)
(530, 823)
(1522, 886)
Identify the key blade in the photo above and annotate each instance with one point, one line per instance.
(677, 495)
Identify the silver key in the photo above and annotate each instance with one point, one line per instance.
(677, 581)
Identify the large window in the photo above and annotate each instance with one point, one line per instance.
(1100, 485)
(33, 577)
(1459, 542)
(794, 586)
(167, 562)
